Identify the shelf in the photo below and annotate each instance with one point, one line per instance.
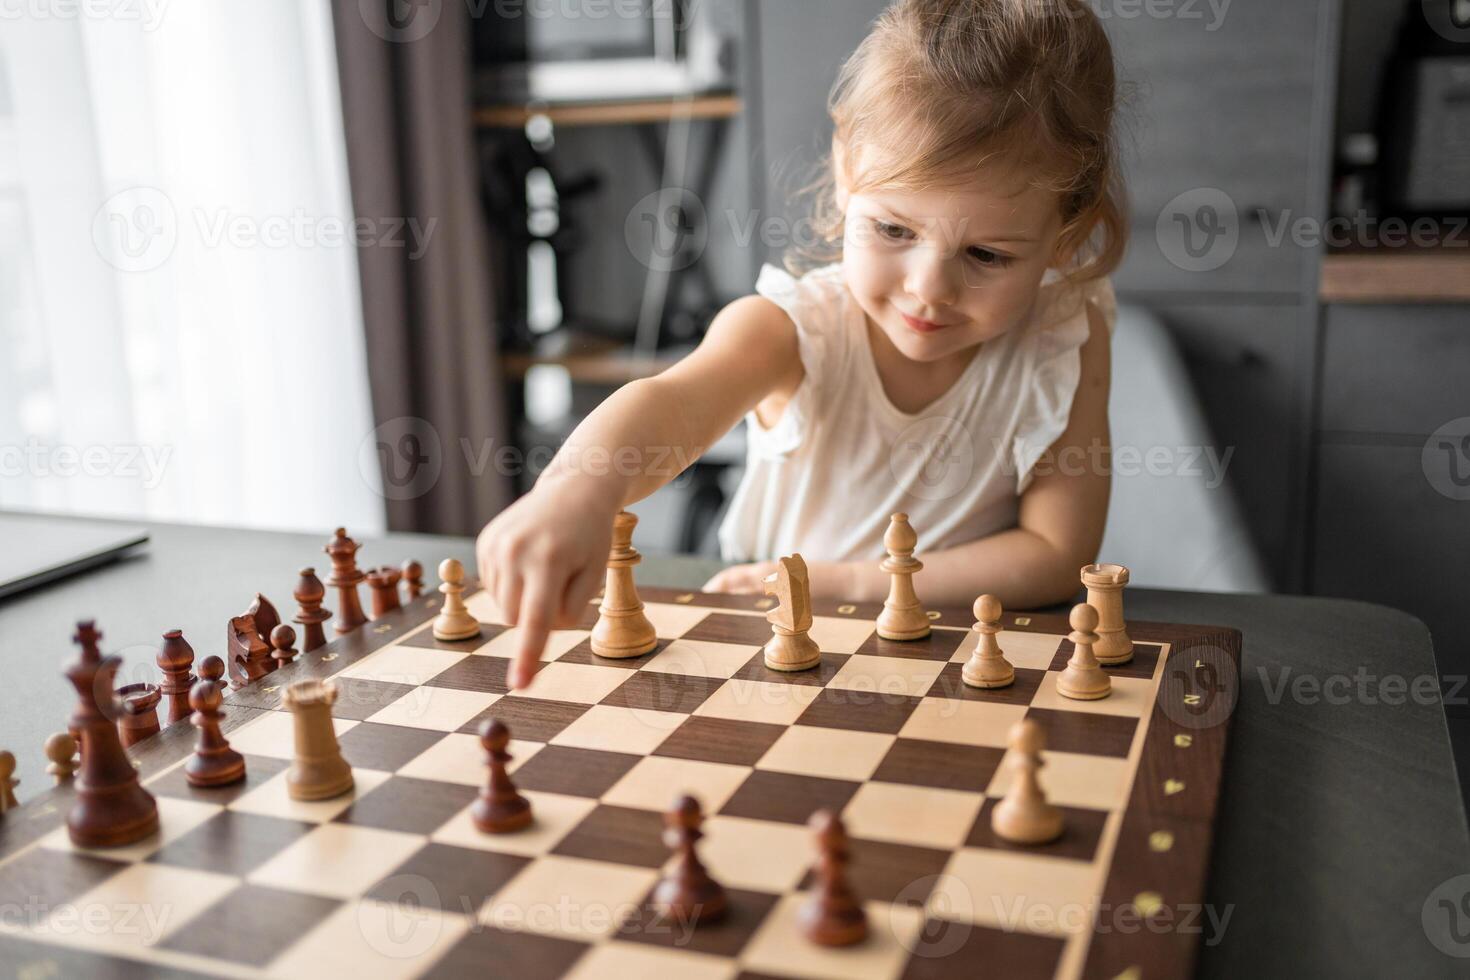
(610, 113)
(1408, 275)
(589, 359)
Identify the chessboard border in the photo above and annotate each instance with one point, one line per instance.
(1155, 810)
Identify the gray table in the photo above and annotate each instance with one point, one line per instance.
(1340, 812)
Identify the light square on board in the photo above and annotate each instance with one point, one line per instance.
(671, 621)
(442, 709)
(1091, 781)
(608, 728)
(1132, 696)
(581, 683)
(836, 634)
(535, 900)
(553, 817)
(382, 940)
(1018, 891)
(887, 675)
(273, 734)
(481, 605)
(136, 908)
(755, 854)
(702, 658)
(273, 799)
(830, 752)
(460, 758)
(654, 782)
(963, 722)
(404, 665)
(776, 704)
(629, 961)
(781, 947)
(337, 860)
(917, 815)
(558, 642)
(176, 817)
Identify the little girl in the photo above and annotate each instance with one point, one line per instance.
(949, 360)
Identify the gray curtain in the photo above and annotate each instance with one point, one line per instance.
(430, 318)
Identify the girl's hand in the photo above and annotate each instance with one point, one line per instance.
(741, 579)
(542, 560)
(829, 579)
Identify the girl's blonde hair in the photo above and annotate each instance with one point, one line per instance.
(940, 87)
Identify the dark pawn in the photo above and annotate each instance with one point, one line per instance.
(832, 916)
(688, 894)
(213, 763)
(283, 645)
(211, 668)
(413, 578)
(176, 660)
(111, 808)
(499, 809)
(309, 613)
(383, 584)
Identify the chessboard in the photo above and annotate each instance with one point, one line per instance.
(393, 879)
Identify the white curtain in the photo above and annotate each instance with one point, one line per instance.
(180, 323)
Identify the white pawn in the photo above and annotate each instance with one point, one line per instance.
(61, 750)
(1024, 816)
(454, 621)
(1083, 679)
(987, 666)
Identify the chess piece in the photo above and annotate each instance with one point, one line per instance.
(383, 585)
(111, 808)
(499, 809)
(247, 651)
(687, 894)
(1083, 679)
(176, 660)
(213, 763)
(8, 782)
(318, 771)
(454, 621)
(622, 628)
(790, 648)
(345, 578)
(309, 612)
(987, 666)
(832, 915)
(61, 751)
(903, 618)
(211, 668)
(1105, 585)
(283, 647)
(139, 717)
(1024, 816)
(413, 579)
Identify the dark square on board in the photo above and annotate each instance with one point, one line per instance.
(574, 772)
(739, 743)
(412, 806)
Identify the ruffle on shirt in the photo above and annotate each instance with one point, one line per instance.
(1056, 371)
(815, 307)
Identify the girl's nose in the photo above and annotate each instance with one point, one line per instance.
(930, 278)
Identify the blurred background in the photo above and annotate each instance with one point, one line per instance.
(292, 264)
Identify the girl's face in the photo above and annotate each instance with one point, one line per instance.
(942, 270)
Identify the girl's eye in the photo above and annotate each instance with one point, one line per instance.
(896, 233)
(986, 257)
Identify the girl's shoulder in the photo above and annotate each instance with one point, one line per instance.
(820, 307)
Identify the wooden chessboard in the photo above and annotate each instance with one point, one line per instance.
(393, 879)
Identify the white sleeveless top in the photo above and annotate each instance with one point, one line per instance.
(842, 458)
